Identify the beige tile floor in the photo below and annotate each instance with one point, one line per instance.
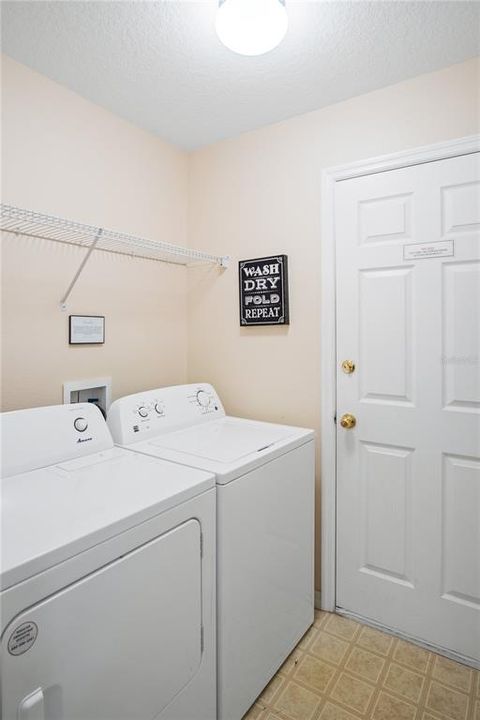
(342, 670)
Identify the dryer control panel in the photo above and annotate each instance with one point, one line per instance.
(153, 412)
(44, 436)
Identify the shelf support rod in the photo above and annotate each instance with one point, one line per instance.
(63, 301)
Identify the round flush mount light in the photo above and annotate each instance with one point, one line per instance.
(251, 27)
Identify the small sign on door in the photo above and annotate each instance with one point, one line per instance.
(419, 251)
(264, 291)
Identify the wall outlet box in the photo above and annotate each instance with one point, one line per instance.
(97, 391)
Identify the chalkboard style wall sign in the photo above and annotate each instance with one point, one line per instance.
(264, 291)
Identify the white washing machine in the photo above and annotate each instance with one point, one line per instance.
(265, 510)
(107, 576)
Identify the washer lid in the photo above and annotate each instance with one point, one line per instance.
(50, 514)
(227, 440)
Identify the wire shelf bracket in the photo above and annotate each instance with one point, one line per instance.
(49, 227)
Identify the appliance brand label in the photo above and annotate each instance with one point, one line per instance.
(22, 638)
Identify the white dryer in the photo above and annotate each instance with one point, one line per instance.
(107, 576)
(265, 524)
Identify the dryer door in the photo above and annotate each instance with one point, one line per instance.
(119, 644)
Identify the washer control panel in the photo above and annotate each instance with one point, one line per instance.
(151, 413)
(148, 410)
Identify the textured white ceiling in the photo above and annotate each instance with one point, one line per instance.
(161, 66)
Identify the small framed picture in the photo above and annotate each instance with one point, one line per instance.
(86, 329)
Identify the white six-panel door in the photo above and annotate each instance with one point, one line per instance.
(408, 484)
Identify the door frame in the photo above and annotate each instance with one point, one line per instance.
(328, 360)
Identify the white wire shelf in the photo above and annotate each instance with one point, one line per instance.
(49, 227)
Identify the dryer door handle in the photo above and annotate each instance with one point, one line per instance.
(32, 707)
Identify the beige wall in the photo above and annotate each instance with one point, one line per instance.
(259, 194)
(66, 156)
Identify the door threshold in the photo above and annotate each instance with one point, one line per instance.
(463, 659)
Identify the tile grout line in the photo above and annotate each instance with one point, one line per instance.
(341, 669)
(422, 701)
(379, 685)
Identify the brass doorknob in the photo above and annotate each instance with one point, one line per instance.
(348, 367)
(348, 421)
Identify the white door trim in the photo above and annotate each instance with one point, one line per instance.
(328, 361)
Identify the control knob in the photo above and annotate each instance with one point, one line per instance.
(80, 424)
(158, 409)
(203, 399)
(142, 411)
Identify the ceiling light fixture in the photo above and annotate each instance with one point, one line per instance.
(251, 27)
